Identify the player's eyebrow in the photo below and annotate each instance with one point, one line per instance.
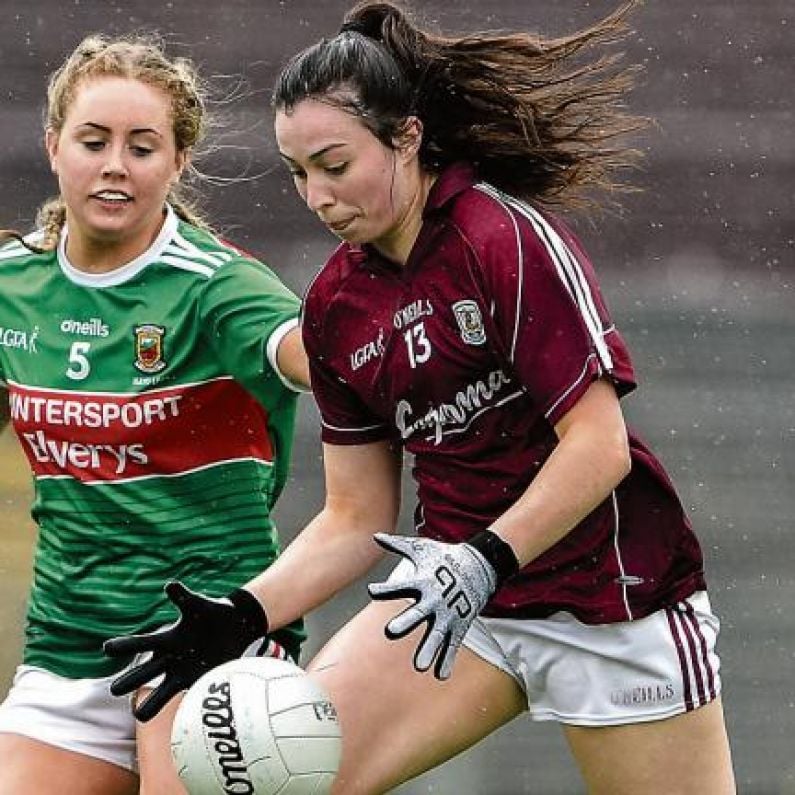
(136, 131)
(315, 155)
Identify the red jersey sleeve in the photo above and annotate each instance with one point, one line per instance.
(551, 319)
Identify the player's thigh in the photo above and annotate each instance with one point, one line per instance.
(684, 755)
(397, 723)
(155, 766)
(153, 738)
(29, 766)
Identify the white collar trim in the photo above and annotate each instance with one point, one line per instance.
(127, 271)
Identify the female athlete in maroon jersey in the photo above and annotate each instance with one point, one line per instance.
(553, 568)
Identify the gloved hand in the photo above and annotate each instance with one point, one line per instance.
(208, 632)
(450, 584)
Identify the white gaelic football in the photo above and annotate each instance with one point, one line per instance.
(256, 726)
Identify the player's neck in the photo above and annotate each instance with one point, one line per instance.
(103, 254)
(398, 243)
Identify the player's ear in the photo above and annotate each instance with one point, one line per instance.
(51, 138)
(409, 139)
(183, 161)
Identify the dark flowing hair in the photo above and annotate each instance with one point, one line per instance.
(538, 118)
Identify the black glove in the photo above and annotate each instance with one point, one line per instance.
(207, 633)
(450, 584)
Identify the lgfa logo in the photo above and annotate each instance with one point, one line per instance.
(19, 340)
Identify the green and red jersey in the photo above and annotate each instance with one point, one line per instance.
(157, 427)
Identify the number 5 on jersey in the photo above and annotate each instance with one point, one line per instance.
(79, 366)
(417, 343)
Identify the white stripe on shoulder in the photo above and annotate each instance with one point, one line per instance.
(568, 268)
(490, 191)
(180, 246)
(188, 265)
(13, 249)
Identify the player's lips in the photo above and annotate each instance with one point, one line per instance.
(339, 226)
(112, 196)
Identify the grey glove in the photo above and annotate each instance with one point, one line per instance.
(451, 584)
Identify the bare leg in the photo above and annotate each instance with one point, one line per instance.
(29, 766)
(397, 723)
(685, 755)
(158, 775)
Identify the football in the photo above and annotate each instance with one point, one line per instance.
(256, 726)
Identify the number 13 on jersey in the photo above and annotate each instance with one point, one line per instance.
(417, 344)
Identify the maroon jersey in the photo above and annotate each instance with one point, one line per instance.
(468, 356)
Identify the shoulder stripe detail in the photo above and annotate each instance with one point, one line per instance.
(182, 247)
(487, 189)
(567, 266)
(14, 249)
(188, 265)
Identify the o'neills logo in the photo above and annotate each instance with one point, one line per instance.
(94, 327)
(643, 694)
(218, 720)
(149, 348)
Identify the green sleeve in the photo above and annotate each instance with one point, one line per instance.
(242, 305)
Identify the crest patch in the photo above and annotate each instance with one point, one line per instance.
(470, 322)
(149, 348)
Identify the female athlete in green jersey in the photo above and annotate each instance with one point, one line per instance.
(150, 371)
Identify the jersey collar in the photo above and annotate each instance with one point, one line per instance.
(455, 179)
(127, 271)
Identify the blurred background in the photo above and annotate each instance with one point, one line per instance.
(698, 270)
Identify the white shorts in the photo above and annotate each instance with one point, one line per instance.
(607, 674)
(75, 714)
(81, 715)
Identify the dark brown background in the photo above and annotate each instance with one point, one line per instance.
(698, 270)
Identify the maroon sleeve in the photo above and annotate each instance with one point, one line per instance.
(345, 419)
(550, 315)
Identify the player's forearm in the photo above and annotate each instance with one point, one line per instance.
(591, 459)
(328, 555)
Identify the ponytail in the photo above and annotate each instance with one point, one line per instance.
(538, 118)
